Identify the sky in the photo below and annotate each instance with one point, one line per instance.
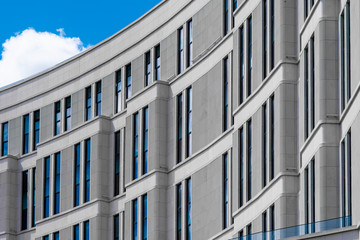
(35, 35)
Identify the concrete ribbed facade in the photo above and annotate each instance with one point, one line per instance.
(204, 119)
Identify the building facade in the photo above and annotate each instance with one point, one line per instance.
(203, 119)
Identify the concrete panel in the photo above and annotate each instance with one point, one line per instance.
(108, 95)
(168, 57)
(157, 211)
(127, 221)
(77, 108)
(137, 75)
(236, 71)
(67, 178)
(128, 150)
(40, 189)
(66, 233)
(46, 122)
(15, 138)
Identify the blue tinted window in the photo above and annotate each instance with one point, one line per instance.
(178, 212)
(189, 122)
(147, 69)
(88, 103)
(179, 127)
(190, 44)
(250, 57)
(87, 170)
(76, 232)
(77, 176)
(226, 17)
(135, 220)
(36, 129)
(67, 113)
(136, 146)
(46, 187)
(241, 158)
(24, 209)
(46, 237)
(34, 198)
(26, 134)
(145, 218)
(98, 99)
(272, 137)
(5, 139)
(226, 93)
(118, 92)
(249, 160)
(57, 184)
(242, 65)
(180, 50)
(116, 227)
(56, 236)
(264, 143)
(57, 118)
(188, 209)
(145, 140)
(272, 32)
(265, 37)
(87, 230)
(128, 81)
(117, 164)
(157, 62)
(226, 192)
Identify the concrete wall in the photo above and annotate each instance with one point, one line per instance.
(77, 108)
(168, 53)
(137, 74)
(67, 178)
(46, 122)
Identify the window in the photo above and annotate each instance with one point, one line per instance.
(24, 203)
(88, 103)
(98, 99)
(46, 187)
(226, 16)
(265, 38)
(86, 230)
(36, 129)
(249, 160)
(178, 212)
(157, 62)
(308, 4)
(136, 146)
(188, 209)
(272, 223)
(45, 237)
(57, 118)
(135, 219)
(179, 127)
(242, 66)
(312, 84)
(5, 139)
(180, 50)
(241, 166)
(226, 192)
(77, 176)
(147, 69)
(241, 235)
(145, 140)
(264, 225)
(56, 236)
(116, 227)
(67, 113)
(117, 164)
(235, 5)
(250, 57)
(189, 43)
(188, 122)
(118, 92)
(26, 134)
(76, 232)
(272, 137)
(249, 232)
(309, 184)
(306, 199)
(145, 217)
(264, 143)
(312, 187)
(33, 197)
(57, 184)
(128, 80)
(309, 88)
(346, 208)
(306, 93)
(226, 96)
(87, 170)
(272, 33)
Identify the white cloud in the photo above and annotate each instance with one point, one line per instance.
(30, 52)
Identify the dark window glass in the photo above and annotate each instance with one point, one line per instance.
(88, 103)
(189, 122)
(87, 170)
(249, 232)
(135, 219)
(76, 233)
(145, 217)
(190, 43)
(272, 32)
(249, 160)
(312, 186)
(67, 113)
(343, 180)
(306, 93)
(235, 4)
(180, 50)
(348, 178)
(45, 237)
(157, 62)
(242, 66)
(87, 230)
(118, 92)
(264, 142)
(178, 212)
(226, 16)
(33, 197)
(226, 96)
(264, 225)
(116, 227)
(77, 176)
(128, 81)
(265, 39)
(36, 129)
(342, 59)
(57, 118)
(24, 203)
(305, 9)
(250, 57)
(145, 140)
(348, 52)
(226, 192)
(26, 134)
(46, 187)
(272, 137)
(188, 209)
(56, 236)
(98, 99)
(136, 146)
(57, 183)
(147, 69)
(272, 223)
(5, 138)
(241, 159)
(117, 164)
(306, 199)
(179, 127)
(312, 82)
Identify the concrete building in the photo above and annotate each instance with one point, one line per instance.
(203, 119)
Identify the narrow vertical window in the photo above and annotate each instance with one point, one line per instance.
(26, 134)
(249, 232)
(348, 52)
(241, 166)
(348, 178)
(46, 187)
(272, 137)
(145, 217)
(226, 192)
(147, 69)
(346, 181)
(98, 99)
(306, 199)
(272, 34)
(179, 127)
(250, 57)
(116, 227)
(188, 122)
(264, 226)
(312, 187)
(264, 142)
(226, 16)
(33, 197)
(306, 93)
(88, 103)
(241, 235)
(56, 236)
(180, 50)
(86, 230)
(157, 62)
(272, 223)
(189, 43)
(265, 39)
(67, 113)
(242, 66)
(136, 146)
(57, 183)
(145, 140)
(128, 80)
(249, 160)
(305, 9)
(76, 232)
(226, 96)
(118, 92)
(77, 176)
(312, 83)
(117, 164)
(342, 59)
(343, 182)
(45, 237)
(57, 118)
(188, 209)
(87, 170)
(178, 212)
(36, 129)
(24, 203)
(235, 5)
(135, 219)
(5, 139)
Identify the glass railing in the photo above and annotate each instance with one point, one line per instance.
(299, 229)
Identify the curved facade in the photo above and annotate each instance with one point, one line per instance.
(204, 119)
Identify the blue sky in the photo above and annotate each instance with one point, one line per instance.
(33, 24)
